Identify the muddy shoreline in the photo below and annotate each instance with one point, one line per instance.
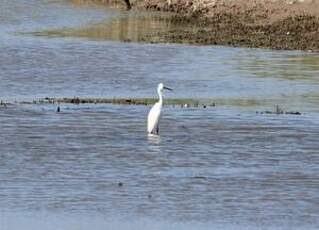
(283, 25)
(298, 32)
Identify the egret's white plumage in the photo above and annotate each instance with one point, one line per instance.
(156, 112)
(153, 118)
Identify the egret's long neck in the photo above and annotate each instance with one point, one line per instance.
(160, 97)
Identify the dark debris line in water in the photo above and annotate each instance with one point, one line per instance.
(123, 101)
(186, 103)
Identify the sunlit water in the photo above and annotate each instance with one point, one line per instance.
(93, 166)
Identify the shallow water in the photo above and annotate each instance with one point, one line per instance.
(223, 167)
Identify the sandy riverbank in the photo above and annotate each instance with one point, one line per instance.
(272, 24)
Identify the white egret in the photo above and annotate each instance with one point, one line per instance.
(155, 113)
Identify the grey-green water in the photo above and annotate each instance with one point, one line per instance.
(222, 167)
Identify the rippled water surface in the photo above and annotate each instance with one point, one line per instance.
(93, 166)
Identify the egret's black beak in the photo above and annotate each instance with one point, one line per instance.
(168, 88)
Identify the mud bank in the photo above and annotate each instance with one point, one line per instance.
(277, 24)
(293, 33)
